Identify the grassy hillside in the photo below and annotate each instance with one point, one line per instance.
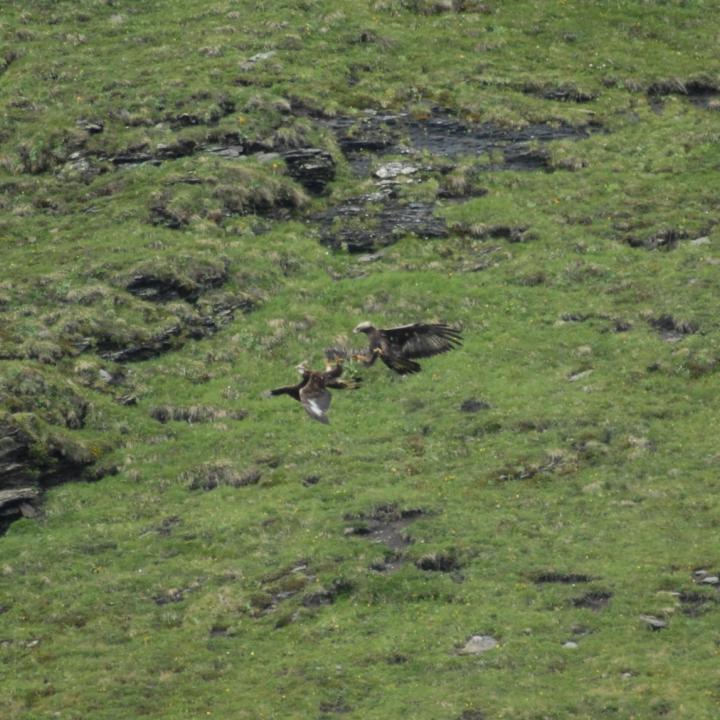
(196, 196)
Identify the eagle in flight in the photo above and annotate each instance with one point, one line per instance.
(397, 346)
(312, 390)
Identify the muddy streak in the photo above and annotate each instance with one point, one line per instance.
(443, 134)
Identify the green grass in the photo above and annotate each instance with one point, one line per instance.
(138, 596)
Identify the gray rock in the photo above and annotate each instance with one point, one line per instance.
(570, 645)
(478, 644)
(574, 377)
(472, 405)
(711, 580)
(395, 169)
(314, 168)
(654, 623)
(91, 126)
(250, 63)
(370, 257)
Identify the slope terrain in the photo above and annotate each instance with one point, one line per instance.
(196, 196)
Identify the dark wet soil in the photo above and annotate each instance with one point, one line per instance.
(365, 223)
(439, 562)
(663, 240)
(472, 405)
(385, 525)
(362, 225)
(594, 600)
(671, 329)
(472, 714)
(694, 604)
(159, 286)
(701, 92)
(445, 135)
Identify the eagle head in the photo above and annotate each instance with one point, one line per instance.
(364, 327)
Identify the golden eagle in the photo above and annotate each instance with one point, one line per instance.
(312, 390)
(397, 346)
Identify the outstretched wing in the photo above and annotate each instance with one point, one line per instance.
(419, 340)
(292, 390)
(315, 398)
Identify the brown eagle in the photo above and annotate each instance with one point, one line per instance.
(312, 390)
(397, 346)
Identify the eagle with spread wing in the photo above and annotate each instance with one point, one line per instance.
(397, 346)
(312, 390)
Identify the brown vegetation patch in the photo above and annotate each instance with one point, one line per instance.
(557, 461)
(564, 93)
(551, 576)
(215, 473)
(28, 390)
(194, 414)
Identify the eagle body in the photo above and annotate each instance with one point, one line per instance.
(399, 346)
(312, 390)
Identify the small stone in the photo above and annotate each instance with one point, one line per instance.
(700, 241)
(711, 580)
(394, 169)
(478, 644)
(255, 59)
(91, 126)
(369, 257)
(584, 350)
(700, 574)
(570, 645)
(575, 376)
(654, 623)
